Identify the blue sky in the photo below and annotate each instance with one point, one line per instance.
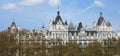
(32, 14)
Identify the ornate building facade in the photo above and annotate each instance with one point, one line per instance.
(59, 29)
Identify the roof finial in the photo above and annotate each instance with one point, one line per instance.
(58, 13)
(58, 8)
(100, 8)
(58, 5)
(100, 14)
(43, 26)
(101, 11)
(13, 19)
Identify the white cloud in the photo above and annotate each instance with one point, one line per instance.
(98, 3)
(10, 7)
(31, 2)
(54, 2)
(17, 6)
(87, 8)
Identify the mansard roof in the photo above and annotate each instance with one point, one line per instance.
(91, 32)
(101, 19)
(58, 18)
(80, 26)
(87, 32)
(73, 32)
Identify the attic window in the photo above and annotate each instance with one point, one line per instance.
(59, 22)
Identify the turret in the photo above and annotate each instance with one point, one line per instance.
(13, 28)
(102, 25)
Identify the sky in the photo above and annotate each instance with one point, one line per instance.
(32, 14)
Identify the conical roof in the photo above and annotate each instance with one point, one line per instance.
(13, 24)
(71, 26)
(101, 19)
(58, 18)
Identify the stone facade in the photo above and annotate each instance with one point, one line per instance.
(58, 29)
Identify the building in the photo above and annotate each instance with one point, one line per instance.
(100, 31)
(59, 29)
(13, 28)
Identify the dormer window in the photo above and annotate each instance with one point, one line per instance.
(59, 22)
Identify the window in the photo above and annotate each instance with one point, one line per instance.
(53, 35)
(56, 34)
(59, 28)
(70, 38)
(53, 27)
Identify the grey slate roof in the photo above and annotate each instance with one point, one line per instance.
(101, 19)
(13, 24)
(66, 23)
(71, 26)
(73, 32)
(79, 26)
(108, 24)
(88, 32)
(91, 32)
(58, 18)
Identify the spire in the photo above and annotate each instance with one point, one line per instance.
(58, 5)
(58, 8)
(13, 23)
(13, 19)
(58, 18)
